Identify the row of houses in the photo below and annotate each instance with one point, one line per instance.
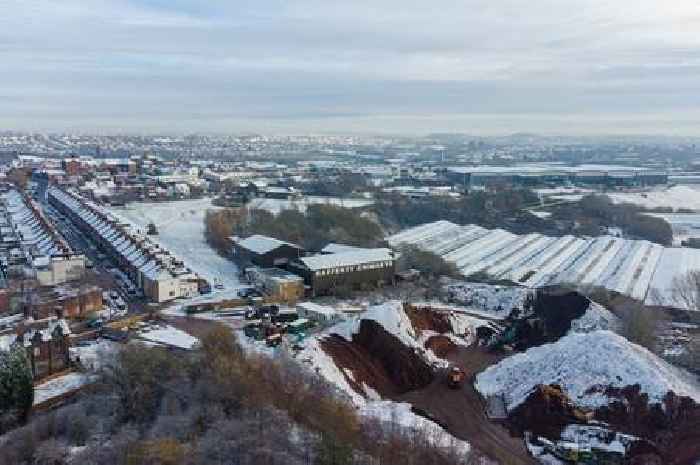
(337, 267)
(160, 275)
(30, 246)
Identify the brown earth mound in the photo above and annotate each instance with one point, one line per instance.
(550, 313)
(545, 412)
(441, 346)
(669, 433)
(378, 359)
(425, 319)
(673, 428)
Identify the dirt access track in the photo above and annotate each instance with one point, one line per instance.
(462, 411)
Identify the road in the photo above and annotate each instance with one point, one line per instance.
(462, 411)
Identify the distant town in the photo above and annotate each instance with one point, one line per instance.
(407, 273)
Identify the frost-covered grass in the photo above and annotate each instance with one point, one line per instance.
(584, 365)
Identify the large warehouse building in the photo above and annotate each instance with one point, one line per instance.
(555, 174)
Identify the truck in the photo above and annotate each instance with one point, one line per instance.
(455, 378)
(285, 316)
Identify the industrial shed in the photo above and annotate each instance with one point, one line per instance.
(264, 251)
(325, 274)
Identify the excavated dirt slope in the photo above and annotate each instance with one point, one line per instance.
(378, 359)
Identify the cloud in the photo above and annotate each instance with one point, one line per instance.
(313, 64)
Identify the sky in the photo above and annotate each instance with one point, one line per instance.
(480, 67)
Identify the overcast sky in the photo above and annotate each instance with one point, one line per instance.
(311, 66)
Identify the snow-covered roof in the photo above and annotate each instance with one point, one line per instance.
(337, 248)
(262, 244)
(169, 336)
(353, 258)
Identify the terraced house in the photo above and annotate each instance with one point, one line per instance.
(30, 247)
(160, 275)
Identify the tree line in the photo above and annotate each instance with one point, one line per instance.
(596, 212)
(312, 229)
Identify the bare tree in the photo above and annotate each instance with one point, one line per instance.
(685, 291)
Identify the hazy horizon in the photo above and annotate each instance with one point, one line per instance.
(586, 67)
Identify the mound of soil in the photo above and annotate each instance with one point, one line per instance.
(669, 433)
(425, 319)
(551, 311)
(379, 360)
(673, 428)
(441, 346)
(545, 412)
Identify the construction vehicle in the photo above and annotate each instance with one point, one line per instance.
(504, 340)
(455, 378)
(254, 329)
(274, 340)
(572, 452)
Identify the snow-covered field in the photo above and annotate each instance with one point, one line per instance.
(277, 205)
(584, 364)
(639, 269)
(681, 196)
(180, 227)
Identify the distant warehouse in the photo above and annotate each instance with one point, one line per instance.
(352, 269)
(547, 174)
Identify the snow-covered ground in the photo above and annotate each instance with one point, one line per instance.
(632, 268)
(541, 214)
(168, 336)
(596, 317)
(277, 205)
(494, 301)
(584, 365)
(58, 386)
(681, 196)
(180, 227)
(93, 356)
(546, 192)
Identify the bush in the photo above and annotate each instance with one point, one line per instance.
(16, 383)
(429, 264)
(216, 405)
